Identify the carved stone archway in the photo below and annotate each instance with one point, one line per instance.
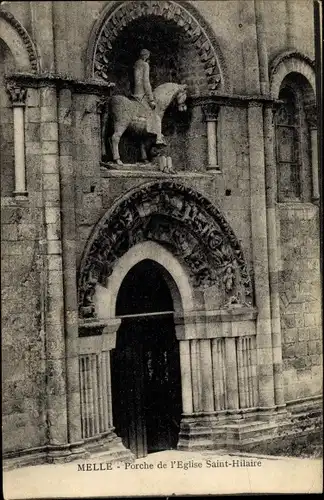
(181, 220)
(184, 15)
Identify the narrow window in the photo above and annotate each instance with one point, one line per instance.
(288, 147)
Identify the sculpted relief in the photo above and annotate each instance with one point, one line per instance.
(179, 219)
(155, 52)
(141, 113)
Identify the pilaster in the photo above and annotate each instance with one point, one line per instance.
(54, 326)
(271, 201)
(260, 254)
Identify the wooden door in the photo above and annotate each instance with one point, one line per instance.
(146, 384)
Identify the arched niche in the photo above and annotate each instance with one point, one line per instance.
(178, 219)
(200, 63)
(292, 81)
(19, 42)
(17, 54)
(291, 62)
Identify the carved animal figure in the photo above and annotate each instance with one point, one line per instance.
(138, 117)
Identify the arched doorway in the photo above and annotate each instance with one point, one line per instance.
(146, 380)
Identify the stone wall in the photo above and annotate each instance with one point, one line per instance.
(97, 189)
(23, 343)
(23, 307)
(300, 294)
(6, 125)
(88, 192)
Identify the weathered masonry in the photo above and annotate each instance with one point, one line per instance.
(173, 303)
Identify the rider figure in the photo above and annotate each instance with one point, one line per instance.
(143, 93)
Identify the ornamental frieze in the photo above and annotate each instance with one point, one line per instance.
(178, 218)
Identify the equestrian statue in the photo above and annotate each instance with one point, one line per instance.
(141, 114)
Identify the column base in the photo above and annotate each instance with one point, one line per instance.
(196, 433)
(251, 429)
(68, 453)
(213, 169)
(20, 195)
(107, 447)
(46, 454)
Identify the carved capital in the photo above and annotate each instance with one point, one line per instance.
(17, 94)
(211, 111)
(311, 115)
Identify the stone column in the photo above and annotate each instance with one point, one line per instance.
(54, 322)
(231, 374)
(207, 395)
(109, 343)
(260, 254)
(211, 111)
(186, 385)
(311, 114)
(271, 200)
(18, 99)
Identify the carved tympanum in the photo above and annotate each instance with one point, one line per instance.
(178, 218)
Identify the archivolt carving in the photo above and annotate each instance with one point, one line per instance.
(126, 12)
(29, 44)
(178, 218)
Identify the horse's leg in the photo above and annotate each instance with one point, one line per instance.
(143, 151)
(119, 129)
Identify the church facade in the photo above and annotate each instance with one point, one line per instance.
(170, 299)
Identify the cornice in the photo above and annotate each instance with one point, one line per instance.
(234, 100)
(61, 81)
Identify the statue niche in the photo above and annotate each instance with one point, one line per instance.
(141, 114)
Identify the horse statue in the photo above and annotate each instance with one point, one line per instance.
(138, 117)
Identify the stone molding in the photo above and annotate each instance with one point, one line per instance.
(61, 81)
(233, 100)
(28, 42)
(17, 93)
(238, 313)
(183, 14)
(179, 218)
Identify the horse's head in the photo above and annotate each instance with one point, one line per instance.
(182, 97)
(167, 92)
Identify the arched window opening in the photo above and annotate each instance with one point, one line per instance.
(293, 144)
